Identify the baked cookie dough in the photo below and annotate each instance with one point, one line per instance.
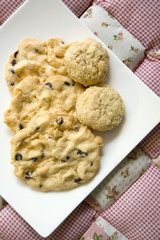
(100, 107)
(36, 58)
(58, 93)
(55, 152)
(87, 62)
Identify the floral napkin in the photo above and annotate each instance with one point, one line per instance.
(127, 48)
(102, 230)
(119, 180)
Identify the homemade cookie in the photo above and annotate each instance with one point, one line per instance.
(58, 93)
(100, 107)
(87, 62)
(55, 152)
(36, 58)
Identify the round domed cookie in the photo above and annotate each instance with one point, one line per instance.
(55, 152)
(58, 93)
(100, 107)
(87, 62)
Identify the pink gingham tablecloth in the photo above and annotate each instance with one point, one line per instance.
(136, 213)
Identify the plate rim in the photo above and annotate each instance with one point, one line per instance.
(15, 14)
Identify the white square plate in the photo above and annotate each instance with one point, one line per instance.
(44, 19)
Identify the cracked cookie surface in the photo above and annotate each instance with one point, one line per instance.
(87, 62)
(55, 152)
(56, 94)
(35, 57)
(100, 107)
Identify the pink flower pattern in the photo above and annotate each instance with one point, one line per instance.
(112, 192)
(114, 236)
(119, 36)
(127, 61)
(133, 49)
(132, 155)
(110, 16)
(110, 47)
(88, 14)
(104, 24)
(125, 173)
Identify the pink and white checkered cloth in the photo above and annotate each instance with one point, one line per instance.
(141, 19)
(7, 7)
(13, 227)
(136, 213)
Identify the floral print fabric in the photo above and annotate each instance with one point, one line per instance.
(148, 35)
(102, 230)
(127, 48)
(120, 179)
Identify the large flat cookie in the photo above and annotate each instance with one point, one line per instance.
(58, 93)
(34, 57)
(55, 152)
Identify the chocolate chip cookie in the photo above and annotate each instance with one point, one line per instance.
(57, 94)
(35, 57)
(55, 152)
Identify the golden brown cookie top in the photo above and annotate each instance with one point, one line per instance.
(100, 107)
(56, 94)
(87, 62)
(55, 152)
(35, 57)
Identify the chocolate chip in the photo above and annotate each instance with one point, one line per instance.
(62, 42)
(36, 50)
(40, 185)
(12, 71)
(15, 54)
(77, 180)
(91, 164)
(73, 82)
(60, 121)
(18, 156)
(63, 160)
(21, 126)
(67, 83)
(37, 128)
(34, 159)
(66, 159)
(49, 84)
(82, 154)
(14, 62)
(79, 151)
(11, 83)
(28, 175)
(43, 155)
